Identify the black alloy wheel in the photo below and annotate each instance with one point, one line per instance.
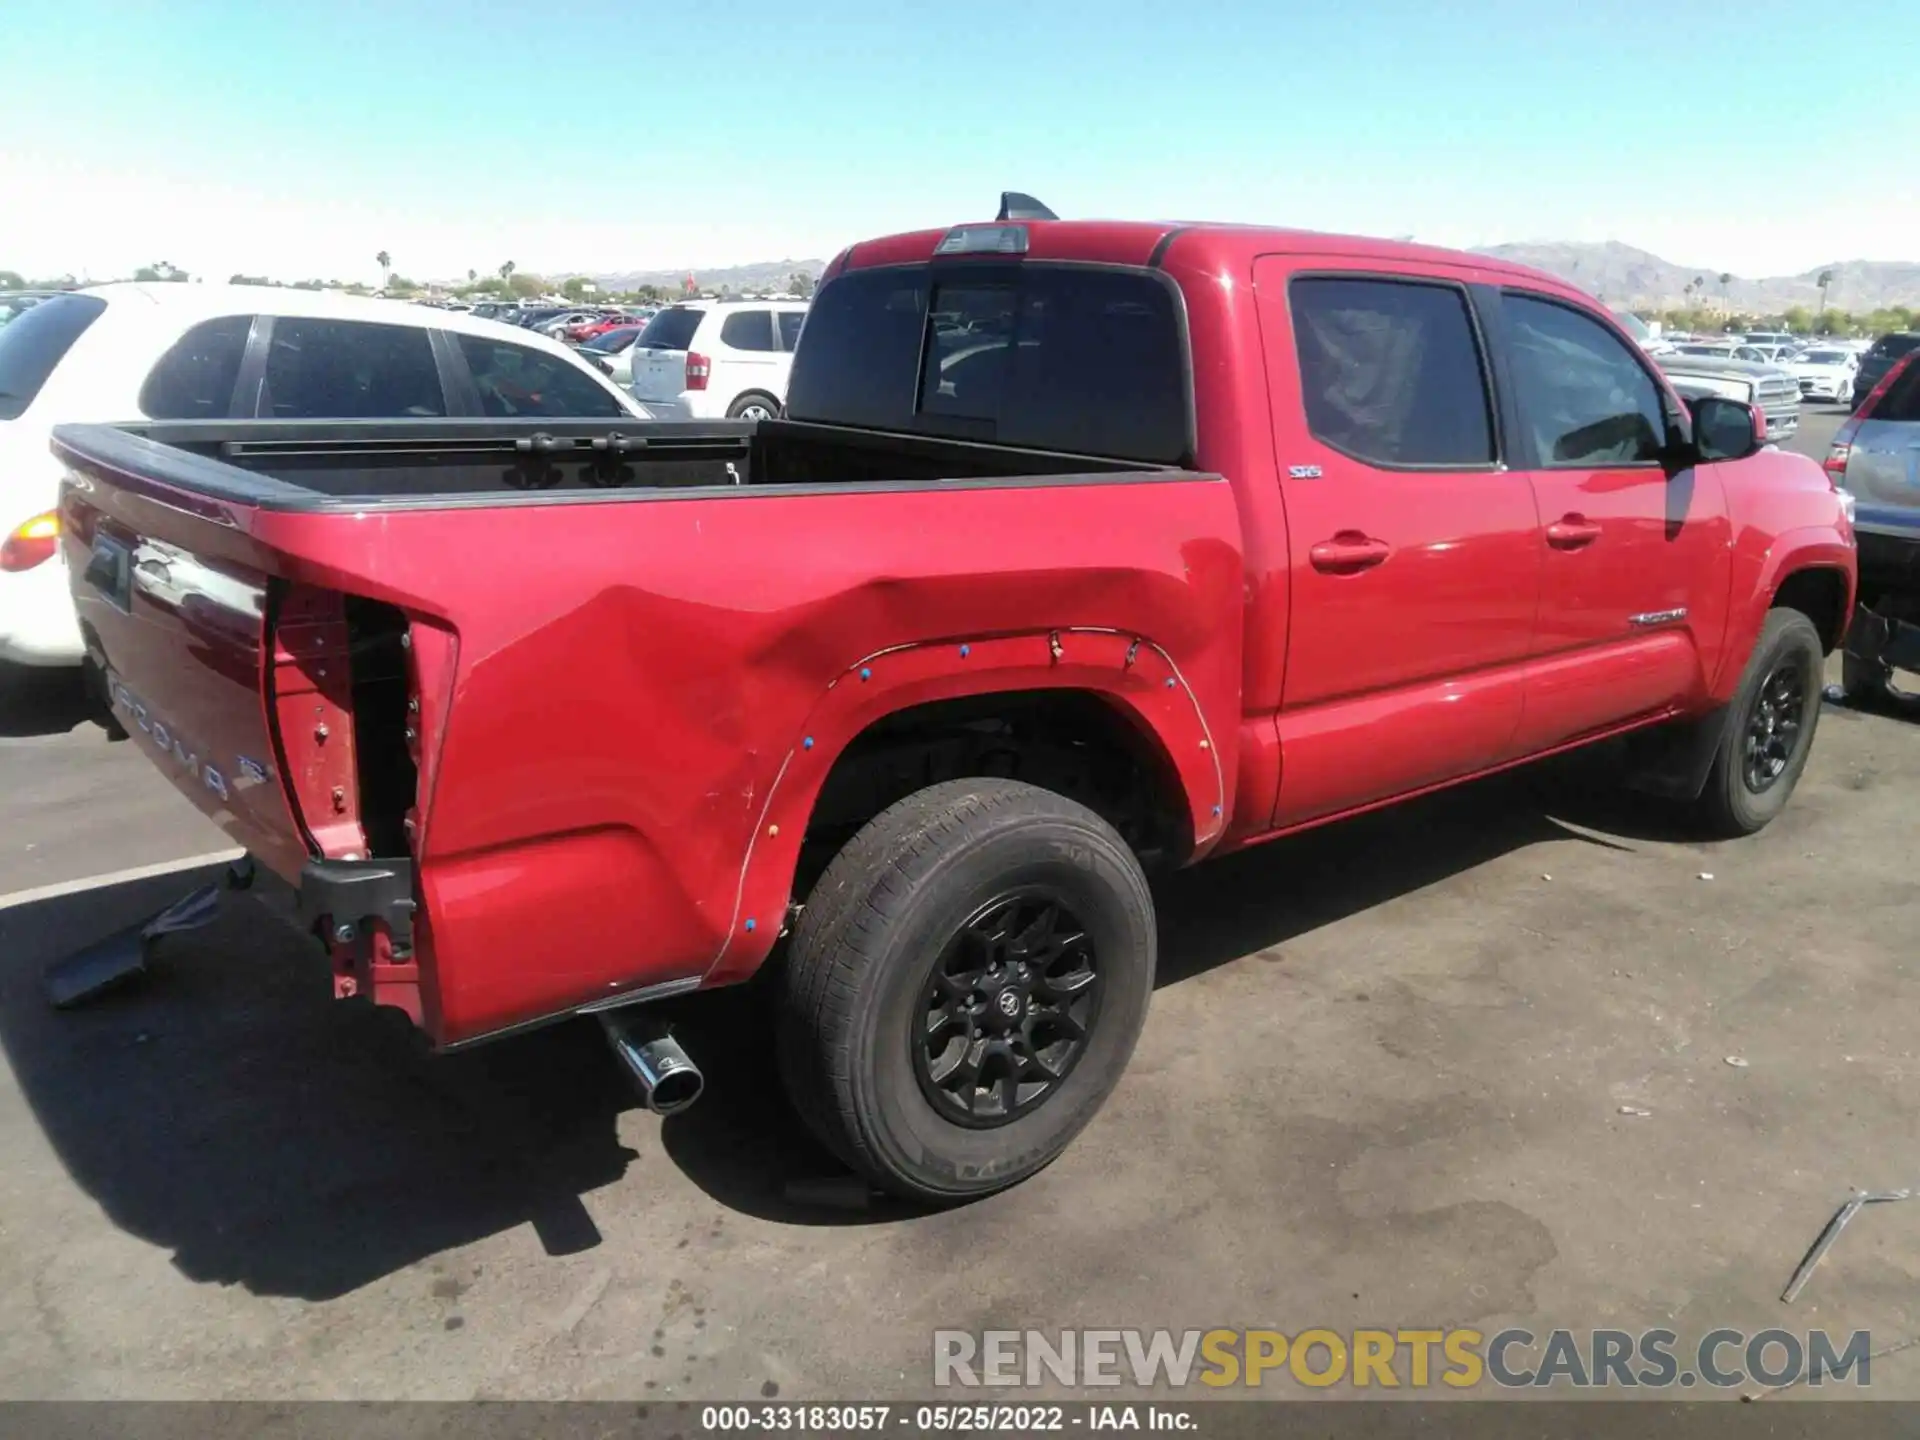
(1773, 728)
(1006, 1013)
(964, 986)
(1768, 728)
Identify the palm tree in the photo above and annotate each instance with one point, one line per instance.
(385, 262)
(472, 275)
(1726, 279)
(1826, 279)
(506, 270)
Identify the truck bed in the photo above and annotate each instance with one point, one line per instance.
(297, 465)
(549, 707)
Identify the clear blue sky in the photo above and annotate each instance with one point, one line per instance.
(294, 137)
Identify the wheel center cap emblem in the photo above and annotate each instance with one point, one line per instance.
(1009, 1003)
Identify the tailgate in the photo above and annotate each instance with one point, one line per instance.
(239, 681)
(658, 374)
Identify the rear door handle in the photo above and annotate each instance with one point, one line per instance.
(1348, 553)
(1571, 532)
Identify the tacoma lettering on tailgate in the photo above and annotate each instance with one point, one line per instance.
(170, 740)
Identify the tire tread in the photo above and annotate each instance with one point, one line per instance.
(1722, 813)
(842, 933)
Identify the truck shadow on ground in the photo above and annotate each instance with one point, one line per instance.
(744, 1147)
(227, 1109)
(36, 702)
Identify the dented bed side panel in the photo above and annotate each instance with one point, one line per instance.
(630, 721)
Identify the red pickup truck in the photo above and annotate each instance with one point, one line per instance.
(1083, 549)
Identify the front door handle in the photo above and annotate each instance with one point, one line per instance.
(1571, 532)
(1348, 553)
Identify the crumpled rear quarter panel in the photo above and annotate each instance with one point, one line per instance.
(636, 684)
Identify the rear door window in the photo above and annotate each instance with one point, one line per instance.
(748, 330)
(37, 340)
(194, 380)
(519, 380)
(672, 329)
(1585, 398)
(1390, 371)
(790, 323)
(349, 369)
(1050, 357)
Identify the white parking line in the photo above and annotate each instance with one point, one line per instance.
(117, 877)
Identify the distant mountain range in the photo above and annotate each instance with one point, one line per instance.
(1620, 274)
(1625, 276)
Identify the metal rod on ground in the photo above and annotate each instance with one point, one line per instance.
(1824, 1241)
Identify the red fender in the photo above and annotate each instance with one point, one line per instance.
(1758, 574)
(1137, 676)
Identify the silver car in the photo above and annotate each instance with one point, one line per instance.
(1876, 458)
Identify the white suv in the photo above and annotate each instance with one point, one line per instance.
(169, 351)
(718, 359)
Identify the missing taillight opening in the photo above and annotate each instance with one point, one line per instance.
(385, 735)
(338, 691)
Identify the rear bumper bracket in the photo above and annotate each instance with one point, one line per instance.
(352, 892)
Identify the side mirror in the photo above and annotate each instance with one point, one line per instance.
(1726, 429)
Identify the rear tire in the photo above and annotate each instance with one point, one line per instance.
(938, 1031)
(1769, 730)
(754, 406)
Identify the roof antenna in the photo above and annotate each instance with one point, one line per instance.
(1015, 206)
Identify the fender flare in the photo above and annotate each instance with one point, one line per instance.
(1813, 547)
(1133, 673)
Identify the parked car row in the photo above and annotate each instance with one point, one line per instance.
(564, 322)
(132, 352)
(1775, 372)
(1830, 368)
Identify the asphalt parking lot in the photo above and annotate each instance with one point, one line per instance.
(1394, 1075)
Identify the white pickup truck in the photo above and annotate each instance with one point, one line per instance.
(1768, 388)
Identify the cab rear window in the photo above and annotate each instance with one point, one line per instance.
(35, 342)
(1089, 360)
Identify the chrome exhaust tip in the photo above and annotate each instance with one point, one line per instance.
(667, 1079)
